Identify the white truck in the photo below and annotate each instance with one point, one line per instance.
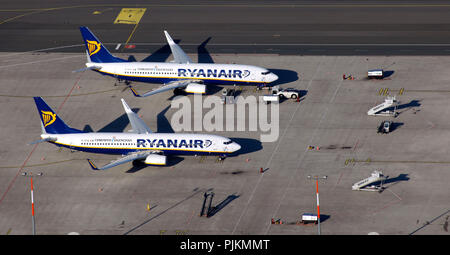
(375, 73)
(309, 218)
(285, 93)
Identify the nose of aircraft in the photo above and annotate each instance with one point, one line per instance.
(273, 77)
(235, 147)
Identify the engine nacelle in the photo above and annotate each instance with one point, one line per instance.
(195, 88)
(155, 159)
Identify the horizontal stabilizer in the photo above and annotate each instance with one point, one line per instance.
(43, 140)
(87, 68)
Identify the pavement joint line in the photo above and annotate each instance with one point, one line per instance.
(310, 142)
(398, 161)
(429, 222)
(399, 198)
(20, 16)
(40, 61)
(238, 6)
(238, 44)
(273, 153)
(44, 49)
(162, 212)
(17, 174)
(74, 95)
(45, 164)
(392, 202)
(34, 148)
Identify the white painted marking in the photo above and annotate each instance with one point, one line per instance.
(272, 155)
(46, 60)
(118, 46)
(305, 152)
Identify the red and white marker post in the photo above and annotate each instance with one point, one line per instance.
(32, 207)
(317, 196)
(318, 207)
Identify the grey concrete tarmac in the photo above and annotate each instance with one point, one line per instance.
(70, 197)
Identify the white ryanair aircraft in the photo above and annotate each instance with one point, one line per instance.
(181, 73)
(139, 144)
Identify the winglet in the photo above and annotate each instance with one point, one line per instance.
(125, 106)
(134, 92)
(169, 39)
(92, 165)
(178, 54)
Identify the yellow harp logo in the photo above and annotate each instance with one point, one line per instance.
(93, 47)
(48, 117)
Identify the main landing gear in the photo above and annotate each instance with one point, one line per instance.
(122, 81)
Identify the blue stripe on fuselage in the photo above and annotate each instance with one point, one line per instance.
(120, 151)
(167, 80)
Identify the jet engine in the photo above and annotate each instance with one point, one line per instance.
(155, 159)
(195, 88)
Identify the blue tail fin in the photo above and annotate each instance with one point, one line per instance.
(97, 53)
(50, 121)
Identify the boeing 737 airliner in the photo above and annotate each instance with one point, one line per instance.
(140, 144)
(181, 73)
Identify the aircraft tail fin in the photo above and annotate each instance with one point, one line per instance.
(50, 121)
(95, 50)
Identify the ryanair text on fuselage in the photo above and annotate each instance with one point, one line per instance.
(214, 73)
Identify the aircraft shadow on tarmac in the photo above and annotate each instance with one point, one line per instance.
(203, 54)
(324, 217)
(392, 181)
(400, 177)
(117, 125)
(160, 55)
(396, 125)
(387, 74)
(163, 53)
(163, 123)
(407, 106)
(284, 76)
(248, 145)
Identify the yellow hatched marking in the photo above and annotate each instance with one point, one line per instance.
(130, 15)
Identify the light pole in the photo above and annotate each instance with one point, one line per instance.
(317, 195)
(32, 199)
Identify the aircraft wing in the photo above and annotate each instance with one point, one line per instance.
(169, 86)
(123, 160)
(178, 54)
(137, 124)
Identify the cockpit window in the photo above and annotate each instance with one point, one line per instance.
(264, 73)
(227, 142)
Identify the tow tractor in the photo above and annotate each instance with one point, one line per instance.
(385, 127)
